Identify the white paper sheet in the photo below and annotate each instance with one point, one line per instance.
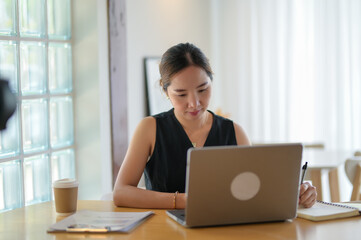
(94, 221)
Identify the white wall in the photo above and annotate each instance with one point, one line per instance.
(91, 97)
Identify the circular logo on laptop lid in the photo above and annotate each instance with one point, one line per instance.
(245, 186)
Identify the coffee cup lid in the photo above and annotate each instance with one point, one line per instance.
(65, 183)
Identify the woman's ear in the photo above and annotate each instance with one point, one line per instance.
(164, 90)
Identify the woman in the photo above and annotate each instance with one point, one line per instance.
(160, 143)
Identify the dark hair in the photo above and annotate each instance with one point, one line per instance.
(179, 57)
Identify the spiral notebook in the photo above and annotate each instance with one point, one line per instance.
(327, 211)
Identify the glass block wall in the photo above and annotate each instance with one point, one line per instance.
(37, 146)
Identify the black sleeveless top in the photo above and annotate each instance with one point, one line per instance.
(166, 169)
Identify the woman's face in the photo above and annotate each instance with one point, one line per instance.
(190, 92)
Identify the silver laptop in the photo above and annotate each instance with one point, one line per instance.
(241, 184)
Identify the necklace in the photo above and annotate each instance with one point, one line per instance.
(194, 144)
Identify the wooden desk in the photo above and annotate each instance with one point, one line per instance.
(325, 160)
(32, 222)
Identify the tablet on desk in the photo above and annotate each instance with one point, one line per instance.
(241, 184)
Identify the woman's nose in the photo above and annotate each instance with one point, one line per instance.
(193, 100)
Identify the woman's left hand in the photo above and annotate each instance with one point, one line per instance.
(308, 195)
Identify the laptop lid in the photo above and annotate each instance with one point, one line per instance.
(242, 184)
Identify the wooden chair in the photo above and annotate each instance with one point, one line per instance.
(353, 172)
(314, 145)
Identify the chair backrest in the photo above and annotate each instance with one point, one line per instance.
(318, 145)
(350, 167)
(314, 145)
(353, 173)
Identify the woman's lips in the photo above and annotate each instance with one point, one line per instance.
(194, 113)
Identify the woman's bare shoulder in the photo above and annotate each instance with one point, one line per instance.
(145, 133)
(241, 136)
(146, 128)
(148, 122)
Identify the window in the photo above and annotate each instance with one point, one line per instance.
(37, 147)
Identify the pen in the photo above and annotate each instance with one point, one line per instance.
(304, 168)
(87, 228)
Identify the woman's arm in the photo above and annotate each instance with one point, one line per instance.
(126, 193)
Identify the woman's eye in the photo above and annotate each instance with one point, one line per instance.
(181, 95)
(203, 90)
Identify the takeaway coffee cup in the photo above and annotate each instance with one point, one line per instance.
(66, 196)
